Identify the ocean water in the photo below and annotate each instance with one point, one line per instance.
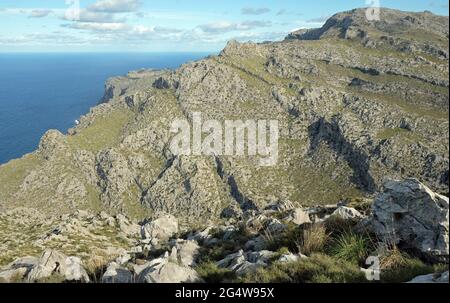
(50, 91)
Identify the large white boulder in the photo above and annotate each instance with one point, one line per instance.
(54, 262)
(409, 214)
(162, 270)
(160, 229)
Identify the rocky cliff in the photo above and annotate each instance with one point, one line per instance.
(356, 101)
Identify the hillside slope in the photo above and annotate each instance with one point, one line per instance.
(356, 101)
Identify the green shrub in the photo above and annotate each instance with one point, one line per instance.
(335, 225)
(351, 247)
(211, 273)
(398, 267)
(289, 238)
(318, 268)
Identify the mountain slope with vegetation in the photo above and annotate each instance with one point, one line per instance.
(357, 102)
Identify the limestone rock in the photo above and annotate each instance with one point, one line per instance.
(117, 274)
(347, 213)
(432, 278)
(52, 262)
(161, 270)
(17, 270)
(298, 216)
(52, 143)
(160, 229)
(411, 215)
(185, 252)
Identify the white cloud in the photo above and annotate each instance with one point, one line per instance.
(224, 26)
(115, 6)
(98, 17)
(255, 10)
(96, 26)
(40, 13)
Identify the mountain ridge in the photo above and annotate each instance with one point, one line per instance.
(372, 109)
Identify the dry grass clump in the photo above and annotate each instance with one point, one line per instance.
(314, 239)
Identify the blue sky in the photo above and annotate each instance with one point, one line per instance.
(166, 25)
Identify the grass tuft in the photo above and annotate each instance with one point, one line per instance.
(351, 247)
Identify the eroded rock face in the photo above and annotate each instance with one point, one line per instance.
(52, 143)
(410, 214)
(115, 176)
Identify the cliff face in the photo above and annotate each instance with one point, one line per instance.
(356, 102)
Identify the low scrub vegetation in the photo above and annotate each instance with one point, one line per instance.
(318, 268)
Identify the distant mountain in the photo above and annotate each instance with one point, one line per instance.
(402, 31)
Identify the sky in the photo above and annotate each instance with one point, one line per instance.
(167, 25)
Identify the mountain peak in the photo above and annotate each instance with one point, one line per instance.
(402, 31)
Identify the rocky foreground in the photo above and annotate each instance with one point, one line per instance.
(406, 229)
(358, 102)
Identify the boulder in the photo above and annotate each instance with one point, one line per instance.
(257, 244)
(127, 226)
(433, 278)
(160, 229)
(232, 261)
(13, 275)
(242, 263)
(201, 236)
(53, 262)
(282, 206)
(347, 213)
(163, 271)
(185, 252)
(74, 270)
(117, 274)
(274, 226)
(260, 256)
(409, 214)
(298, 216)
(25, 262)
(290, 258)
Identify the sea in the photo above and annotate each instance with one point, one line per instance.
(46, 91)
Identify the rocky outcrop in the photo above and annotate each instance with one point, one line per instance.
(355, 25)
(53, 262)
(160, 229)
(409, 214)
